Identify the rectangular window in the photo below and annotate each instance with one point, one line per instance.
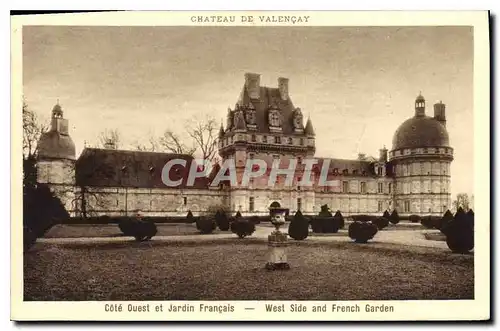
(251, 206)
(299, 204)
(299, 160)
(379, 171)
(264, 139)
(390, 188)
(290, 141)
(251, 156)
(185, 201)
(362, 187)
(345, 187)
(277, 140)
(407, 206)
(380, 205)
(254, 138)
(302, 141)
(380, 187)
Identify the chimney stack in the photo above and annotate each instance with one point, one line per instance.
(252, 84)
(283, 87)
(383, 154)
(440, 112)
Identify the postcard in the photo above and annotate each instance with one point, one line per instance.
(250, 166)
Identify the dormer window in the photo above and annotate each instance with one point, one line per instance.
(354, 172)
(124, 168)
(336, 171)
(345, 172)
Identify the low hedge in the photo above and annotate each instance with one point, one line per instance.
(140, 229)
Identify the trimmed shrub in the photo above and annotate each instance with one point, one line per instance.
(445, 222)
(427, 222)
(189, 217)
(394, 219)
(238, 215)
(206, 225)
(470, 215)
(316, 225)
(41, 210)
(242, 228)
(340, 219)
(325, 211)
(386, 214)
(415, 218)
(255, 219)
(381, 222)
(460, 233)
(222, 220)
(139, 229)
(299, 227)
(361, 232)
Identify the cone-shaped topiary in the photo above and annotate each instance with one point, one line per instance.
(394, 219)
(339, 218)
(443, 223)
(189, 217)
(299, 227)
(238, 215)
(386, 214)
(460, 233)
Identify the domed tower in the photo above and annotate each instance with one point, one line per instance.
(421, 156)
(56, 159)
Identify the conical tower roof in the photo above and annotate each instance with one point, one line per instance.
(309, 130)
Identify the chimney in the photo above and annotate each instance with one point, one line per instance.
(440, 112)
(283, 87)
(252, 84)
(383, 154)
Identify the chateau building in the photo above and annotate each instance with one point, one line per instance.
(264, 124)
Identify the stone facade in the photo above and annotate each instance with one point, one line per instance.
(413, 177)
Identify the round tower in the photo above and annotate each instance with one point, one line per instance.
(421, 156)
(56, 159)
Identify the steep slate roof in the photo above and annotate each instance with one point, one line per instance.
(269, 96)
(350, 165)
(122, 168)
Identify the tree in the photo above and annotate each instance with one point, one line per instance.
(32, 131)
(151, 146)
(463, 201)
(204, 135)
(172, 143)
(110, 139)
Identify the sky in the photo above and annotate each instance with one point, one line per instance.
(356, 84)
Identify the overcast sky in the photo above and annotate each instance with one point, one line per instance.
(356, 84)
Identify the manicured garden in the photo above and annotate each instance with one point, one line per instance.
(233, 269)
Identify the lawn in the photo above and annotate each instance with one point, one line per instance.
(233, 269)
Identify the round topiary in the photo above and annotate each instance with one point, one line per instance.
(242, 228)
(361, 232)
(299, 227)
(222, 220)
(205, 225)
(394, 219)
